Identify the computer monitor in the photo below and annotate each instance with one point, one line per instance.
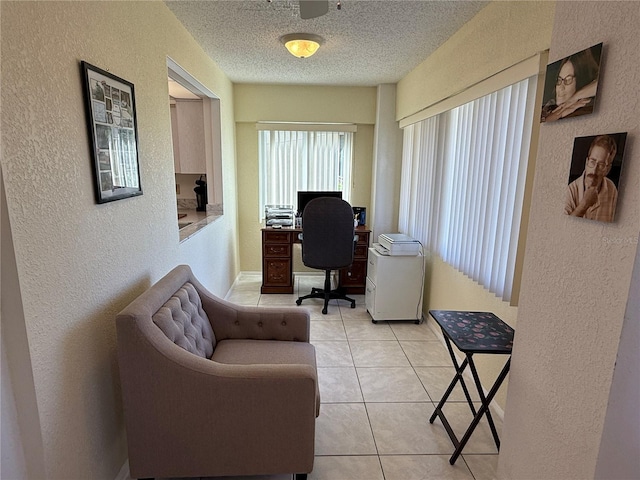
(306, 197)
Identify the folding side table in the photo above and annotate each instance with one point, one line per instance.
(472, 332)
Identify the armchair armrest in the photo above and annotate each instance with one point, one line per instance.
(231, 321)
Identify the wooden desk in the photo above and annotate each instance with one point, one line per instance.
(277, 261)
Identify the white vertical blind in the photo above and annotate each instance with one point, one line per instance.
(292, 160)
(463, 175)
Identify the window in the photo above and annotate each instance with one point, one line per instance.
(463, 176)
(292, 160)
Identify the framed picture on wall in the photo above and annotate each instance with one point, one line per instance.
(113, 134)
(571, 85)
(594, 176)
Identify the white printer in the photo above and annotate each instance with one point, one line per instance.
(397, 244)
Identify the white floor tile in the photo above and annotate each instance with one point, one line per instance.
(339, 385)
(391, 384)
(404, 429)
(327, 330)
(364, 329)
(483, 467)
(411, 331)
(378, 353)
(362, 467)
(333, 354)
(343, 429)
(423, 467)
(426, 354)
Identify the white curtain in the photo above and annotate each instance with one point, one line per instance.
(303, 160)
(462, 187)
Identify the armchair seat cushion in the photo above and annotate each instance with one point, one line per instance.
(263, 352)
(266, 352)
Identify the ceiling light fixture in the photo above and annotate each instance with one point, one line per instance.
(302, 45)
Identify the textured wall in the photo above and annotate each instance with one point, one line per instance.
(577, 273)
(79, 263)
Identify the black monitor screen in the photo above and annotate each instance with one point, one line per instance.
(306, 197)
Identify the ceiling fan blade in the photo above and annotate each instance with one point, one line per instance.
(313, 8)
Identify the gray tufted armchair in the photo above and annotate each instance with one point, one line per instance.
(214, 389)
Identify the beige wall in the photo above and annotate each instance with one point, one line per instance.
(492, 41)
(79, 263)
(577, 273)
(499, 36)
(295, 104)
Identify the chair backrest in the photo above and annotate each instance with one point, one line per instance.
(327, 234)
(171, 308)
(185, 323)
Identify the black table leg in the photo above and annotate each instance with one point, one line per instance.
(484, 408)
(484, 401)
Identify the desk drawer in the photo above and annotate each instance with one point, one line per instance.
(354, 277)
(363, 238)
(277, 273)
(360, 251)
(276, 250)
(275, 236)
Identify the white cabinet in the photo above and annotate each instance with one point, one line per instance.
(394, 287)
(187, 131)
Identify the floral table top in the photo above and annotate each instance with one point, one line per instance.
(475, 332)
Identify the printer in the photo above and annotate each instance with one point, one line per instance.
(281, 215)
(397, 244)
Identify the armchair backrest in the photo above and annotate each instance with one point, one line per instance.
(185, 323)
(327, 234)
(174, 306)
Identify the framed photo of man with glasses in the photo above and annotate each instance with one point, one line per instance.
(594, 177)
(571, 85)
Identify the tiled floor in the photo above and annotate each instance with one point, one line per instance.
(378, 385)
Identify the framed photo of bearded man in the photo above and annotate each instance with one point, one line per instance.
(594, 177)
(571, 85)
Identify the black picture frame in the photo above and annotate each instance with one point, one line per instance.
(113, 134)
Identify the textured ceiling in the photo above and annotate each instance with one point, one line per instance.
(367, 42)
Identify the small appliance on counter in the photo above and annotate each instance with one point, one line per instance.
(201, 194)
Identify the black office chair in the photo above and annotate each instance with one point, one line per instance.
(328, 242)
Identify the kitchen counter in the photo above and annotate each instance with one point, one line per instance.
(189, 216)
(191, 221)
